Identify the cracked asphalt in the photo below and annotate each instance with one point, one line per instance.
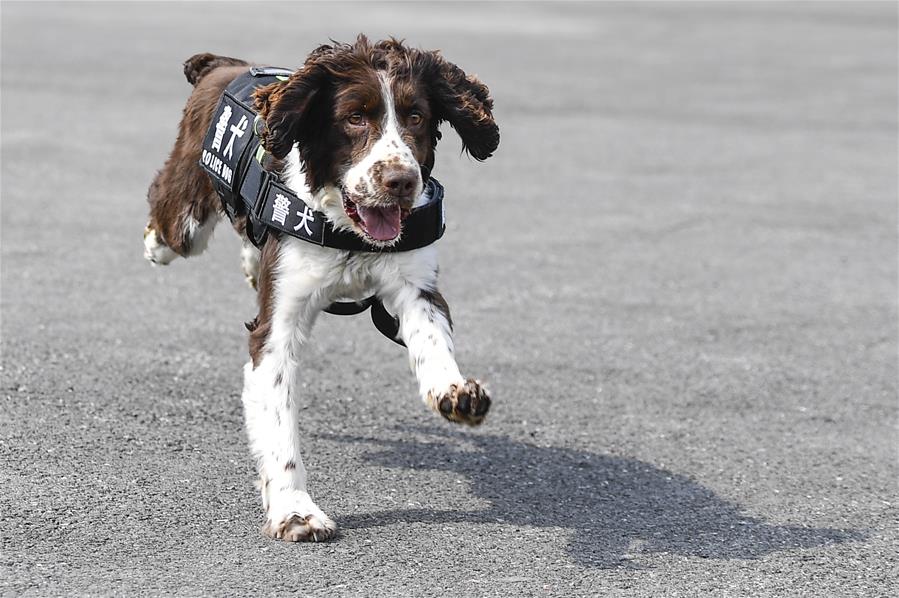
(678, 275)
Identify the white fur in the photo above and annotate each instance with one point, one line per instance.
(249, 262)
(427, 334)
(308, 278)
(389, 148)
(272, 414)
(155, 251)
(199, 233)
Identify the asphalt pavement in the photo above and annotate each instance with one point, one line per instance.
(678, 276)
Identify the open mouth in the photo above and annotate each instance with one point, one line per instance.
(381, 223)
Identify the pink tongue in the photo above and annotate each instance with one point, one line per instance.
(383, 224)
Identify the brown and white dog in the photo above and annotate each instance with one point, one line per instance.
(353, 133)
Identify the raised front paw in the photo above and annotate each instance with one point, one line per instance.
(466, 403)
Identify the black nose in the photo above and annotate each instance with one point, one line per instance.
(399, 182)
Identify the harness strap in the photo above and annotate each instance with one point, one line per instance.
(349, 308)
(386, 323)
(272, 205)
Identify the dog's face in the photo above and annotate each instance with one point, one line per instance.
(366, 119)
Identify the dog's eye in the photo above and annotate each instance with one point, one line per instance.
(415, 119)
(356, 119)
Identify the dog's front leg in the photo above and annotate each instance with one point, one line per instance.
(271, 406)
(426, 328)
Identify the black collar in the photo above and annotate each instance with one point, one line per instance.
(274, 206)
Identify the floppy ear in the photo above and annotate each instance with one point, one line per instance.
(463, 101)
(288, 106)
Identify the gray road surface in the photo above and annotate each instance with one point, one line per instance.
(678, 276)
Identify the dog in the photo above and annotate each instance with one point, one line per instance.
(353, 133)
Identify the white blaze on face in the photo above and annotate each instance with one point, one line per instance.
(390, 148)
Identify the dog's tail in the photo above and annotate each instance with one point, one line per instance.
(197, 66)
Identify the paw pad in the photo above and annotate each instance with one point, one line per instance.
(467, 403)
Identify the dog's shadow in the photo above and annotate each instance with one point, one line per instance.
(617, 507)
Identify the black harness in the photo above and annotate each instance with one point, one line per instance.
(235, 160)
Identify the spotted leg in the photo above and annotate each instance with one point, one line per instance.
(426, 328)
(271, 403)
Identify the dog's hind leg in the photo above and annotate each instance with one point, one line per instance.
(183, 213)
(184, 207)
(288, 307)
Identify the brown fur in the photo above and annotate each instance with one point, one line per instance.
(181, 189)
(311, 108)
(262, 324)
(197, 66)
(436, 299)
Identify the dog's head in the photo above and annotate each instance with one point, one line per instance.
(365, 119)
